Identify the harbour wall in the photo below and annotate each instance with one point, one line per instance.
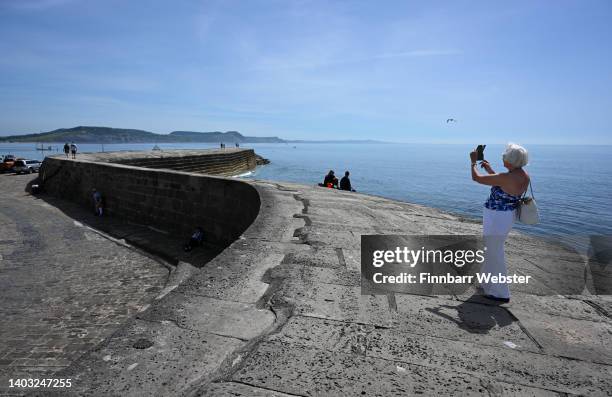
(169, 200)
(219, 162)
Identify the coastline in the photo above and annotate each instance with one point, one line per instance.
(402, 172)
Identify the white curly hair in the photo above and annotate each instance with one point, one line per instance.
(516, 155)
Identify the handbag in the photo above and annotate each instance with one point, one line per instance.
(528, 209)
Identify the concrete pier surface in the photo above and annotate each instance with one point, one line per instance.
(279, 311)
(64, 287)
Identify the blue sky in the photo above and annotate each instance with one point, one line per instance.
(530, 72)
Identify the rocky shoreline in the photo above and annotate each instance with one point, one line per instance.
(260, 160)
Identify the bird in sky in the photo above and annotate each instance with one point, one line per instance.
(451, 121)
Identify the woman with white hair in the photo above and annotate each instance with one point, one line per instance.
(499, 212)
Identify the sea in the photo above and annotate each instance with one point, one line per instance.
(572, 184)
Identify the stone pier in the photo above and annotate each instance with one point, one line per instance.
(279, 311)
(135, 187)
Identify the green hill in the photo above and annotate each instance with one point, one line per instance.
(228, 137)
(89, 134)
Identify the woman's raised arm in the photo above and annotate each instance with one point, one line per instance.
(492, 179)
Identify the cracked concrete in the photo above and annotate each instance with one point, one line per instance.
(280, 312)
(338, 341)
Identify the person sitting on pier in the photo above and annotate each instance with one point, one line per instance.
(97, 199)
(345, 183)
(330, 180)
(196, 240)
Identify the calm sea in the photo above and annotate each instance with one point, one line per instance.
(572, 184)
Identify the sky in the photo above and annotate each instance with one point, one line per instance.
(521, 71)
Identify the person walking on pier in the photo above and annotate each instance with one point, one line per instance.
(73, 150)
(67, 149)
(499, 212)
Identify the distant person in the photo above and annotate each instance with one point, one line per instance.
(237, 144)
(500, 211)
(328, 181)
(196, 240)
(73, 150)
(97, 199)
(345, 182)
(67, 149)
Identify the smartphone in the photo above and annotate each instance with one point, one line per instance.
(480, 151)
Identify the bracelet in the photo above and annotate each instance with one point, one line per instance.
(473, 164)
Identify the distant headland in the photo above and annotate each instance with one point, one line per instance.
(92, 134)
(87, 134)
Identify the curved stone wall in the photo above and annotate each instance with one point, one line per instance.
(226, 162)
(171, 201)
(222, 162)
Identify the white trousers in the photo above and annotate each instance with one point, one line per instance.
(495, 228)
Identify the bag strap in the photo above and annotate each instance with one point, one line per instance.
(530, 189)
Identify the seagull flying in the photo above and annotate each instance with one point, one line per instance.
(451, 120)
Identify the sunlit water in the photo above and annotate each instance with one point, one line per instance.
(572, 184)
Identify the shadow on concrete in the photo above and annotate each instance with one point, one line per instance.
(477, 316)
(167, 246)
(600, 265)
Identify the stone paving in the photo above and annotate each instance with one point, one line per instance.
(339, 342)
(64, 288)
(280, 313)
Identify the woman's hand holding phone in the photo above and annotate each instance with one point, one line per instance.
(484, 164)
(473, 156)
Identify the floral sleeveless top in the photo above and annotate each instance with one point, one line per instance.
(501, 201)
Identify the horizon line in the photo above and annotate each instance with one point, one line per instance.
(295, 140)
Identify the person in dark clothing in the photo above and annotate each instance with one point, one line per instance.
(345, 182)
(73, 150)
(196, 240)
(67, 149)
(97, 199)
(329, 179)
